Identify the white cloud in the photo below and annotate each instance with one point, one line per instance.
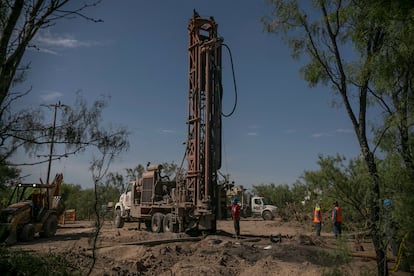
(321, 134)
(253, 127)
(343, 130)
(252, 134)
(331, 133)
(49, 43)
(61, 41)
(48, 51)
(51, 96)
(167, 131)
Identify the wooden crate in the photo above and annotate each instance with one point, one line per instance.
(69, 216)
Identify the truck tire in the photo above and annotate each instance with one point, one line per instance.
(118, 221)
(148, 225)
(157, 222)
(267, 215)
(168, 224)
(27, 233)
(49, 227)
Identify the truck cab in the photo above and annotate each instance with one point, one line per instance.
(123, 206)
(260, 207)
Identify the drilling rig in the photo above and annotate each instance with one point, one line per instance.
(204, 119)
(193, 201)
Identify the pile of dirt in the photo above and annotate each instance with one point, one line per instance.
(265, 248)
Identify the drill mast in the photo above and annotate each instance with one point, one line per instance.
(204, 114)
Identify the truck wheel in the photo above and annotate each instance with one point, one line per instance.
(168, 223)
(118, 221)
(156, 222)
(27, 233)
(267, 215)
(148, 225)
(49, 227)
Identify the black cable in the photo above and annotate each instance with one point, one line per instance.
(234, 83)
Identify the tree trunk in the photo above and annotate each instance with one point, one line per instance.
(374, 203)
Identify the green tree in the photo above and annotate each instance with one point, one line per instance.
(76, 129)
(398, 189)
(282, 197)
(117, 181)
(82, 200)
(135, 173)
(71, 196)
(108, 149)
(7, 174)
(21, 20)
(393, 83)
(326, 32)
(346, 182)
(170, 169)
(79, 126)
(279, 195)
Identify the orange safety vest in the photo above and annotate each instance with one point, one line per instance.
(317, 215)
(338, 214)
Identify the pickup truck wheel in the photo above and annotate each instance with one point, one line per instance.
(157, 222)
(49, 227)
(27, 233)
(118, 221)
(168, 223)
(267, 215)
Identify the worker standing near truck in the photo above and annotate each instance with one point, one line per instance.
(235, 214)
(317, 219)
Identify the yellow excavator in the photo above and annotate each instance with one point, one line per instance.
(32, 208)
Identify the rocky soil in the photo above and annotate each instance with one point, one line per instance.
(265, 248)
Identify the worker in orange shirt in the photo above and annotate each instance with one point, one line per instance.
(317, 219)
(337, 219)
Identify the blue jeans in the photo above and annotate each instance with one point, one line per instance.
(337, 229)
(237, 226)
(318, 227)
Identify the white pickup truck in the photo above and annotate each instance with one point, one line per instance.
(258, 207)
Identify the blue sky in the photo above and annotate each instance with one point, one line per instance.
(138, 56)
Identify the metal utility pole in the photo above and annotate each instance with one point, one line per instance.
(56, 106)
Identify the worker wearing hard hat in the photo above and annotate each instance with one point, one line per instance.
(235, 214)
(317, 219)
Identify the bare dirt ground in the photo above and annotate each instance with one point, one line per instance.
(265, 248)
